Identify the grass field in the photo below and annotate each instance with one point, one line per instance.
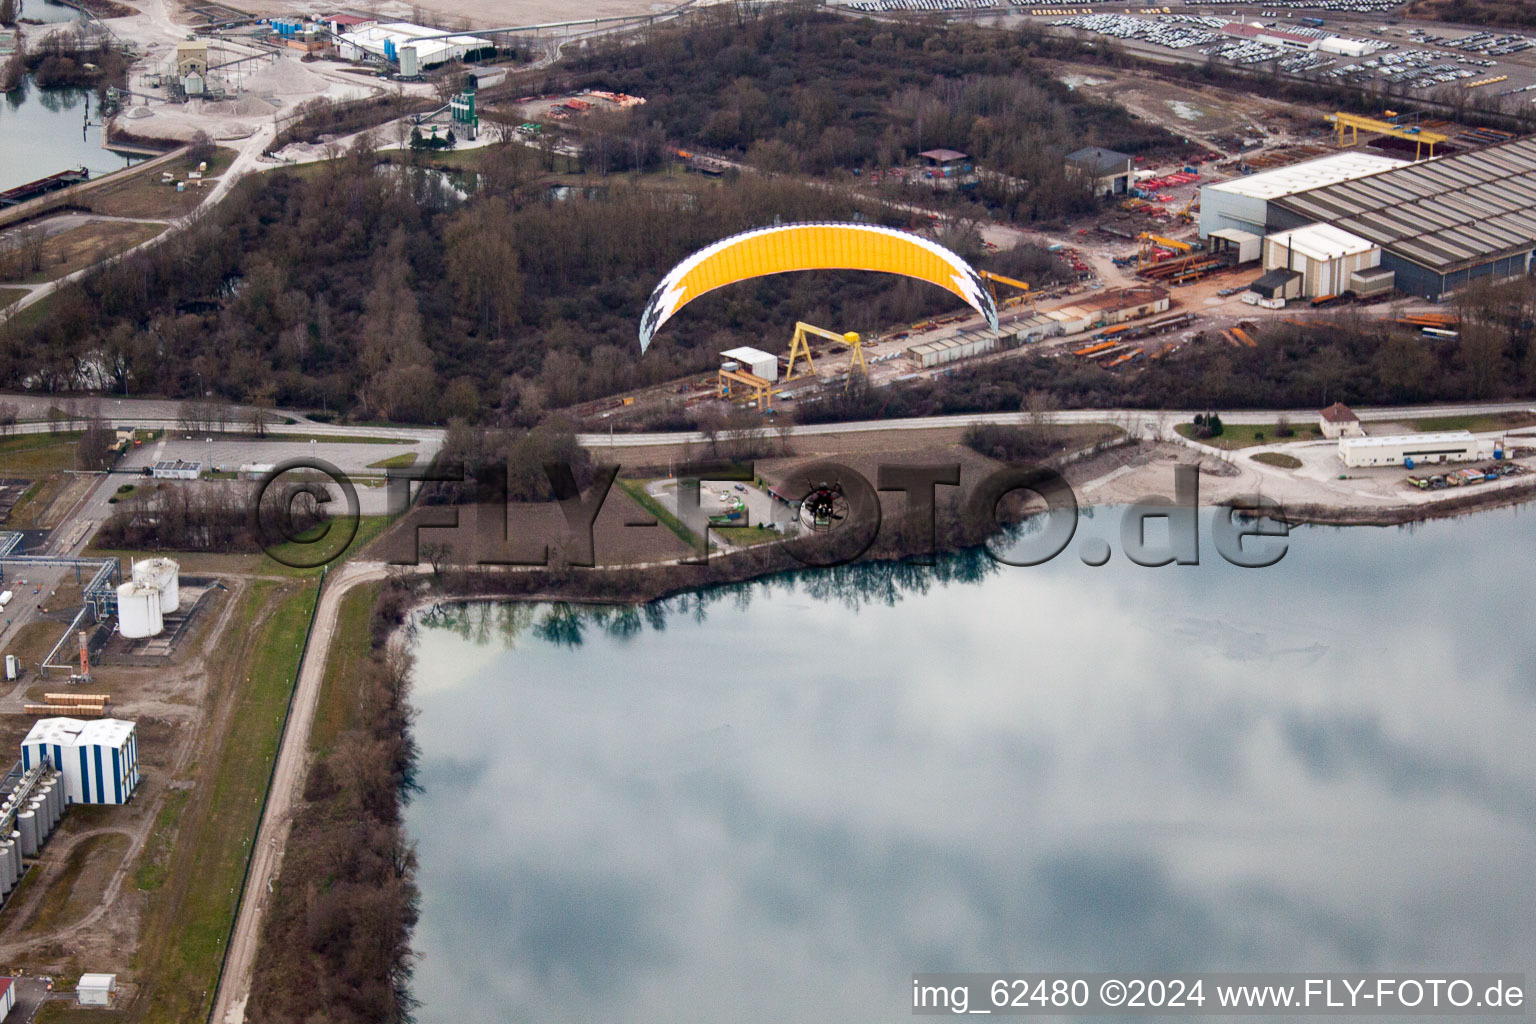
(187, 923)
(144, 195)
(340, 700)
(88, 244)
(77, 890)
(1246, 435)
(32, 454)
(69, 1013)
(742, 536)
(636, 490)
(1475, 423)
(400, 461)
(1280, 459)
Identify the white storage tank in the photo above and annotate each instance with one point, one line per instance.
(5, 869)
(160, 573)
(138, 611)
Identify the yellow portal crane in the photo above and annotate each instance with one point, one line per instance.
(993, 280)
(758, 389)
(799, 345)
(1354, 123)
(1144, 254)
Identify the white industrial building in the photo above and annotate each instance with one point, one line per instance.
(1243, 203)
(98, 760)
(7, 997)
(152, 591)
(385, 42)
(96, 989)
(1411, 450)
(177, 469)
(754, 361)
(1346, 47)
(1326, 257)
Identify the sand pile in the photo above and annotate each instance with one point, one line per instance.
(285, 77)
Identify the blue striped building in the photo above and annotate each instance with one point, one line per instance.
(98, 759)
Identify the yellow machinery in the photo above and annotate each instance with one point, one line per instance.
(1354, 123)
(757, 388)
(1185, 215)
(1144, 254)
(800, 345)
(993, 280)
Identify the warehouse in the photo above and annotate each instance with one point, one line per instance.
(384, 42)
(1440, 223)
(99, 759)
(1272, 36)
(1411, 449)
(1244, 203)
(1324, 256)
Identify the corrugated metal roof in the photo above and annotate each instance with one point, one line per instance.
(1325, 170)
(1444, 214)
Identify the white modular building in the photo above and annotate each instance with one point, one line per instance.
(755, 361)
(1409, 450)
(98, 760)
(1243, 203)
(96, 989)
(1326, 257)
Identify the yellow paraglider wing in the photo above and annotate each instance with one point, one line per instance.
(787, 247)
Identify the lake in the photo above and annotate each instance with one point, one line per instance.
(777, 802)
(45, 131)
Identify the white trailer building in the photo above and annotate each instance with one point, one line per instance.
(1412, 449)
(98, 759)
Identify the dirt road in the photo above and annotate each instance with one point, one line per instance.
(287, 785)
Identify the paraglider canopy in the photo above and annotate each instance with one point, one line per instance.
(782, 248)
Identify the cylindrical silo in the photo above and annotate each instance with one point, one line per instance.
(160, 573)
(26, 824)
(5, 869)
(138, 611)
(53, 794)
(13, 869)
(44, 826)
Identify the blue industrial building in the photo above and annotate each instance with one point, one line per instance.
(98, 759)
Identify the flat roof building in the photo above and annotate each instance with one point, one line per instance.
(1243, 203)
(1440, 222)
(755, 361)
(98, 759)
(1409, 450)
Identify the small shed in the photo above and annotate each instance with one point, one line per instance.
(1274, 288)
(1338, 420)
(943, 157)
(97, 989)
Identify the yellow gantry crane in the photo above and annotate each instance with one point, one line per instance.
(1353, 123)
(1144, 254)
(993, 280)
(800, 345)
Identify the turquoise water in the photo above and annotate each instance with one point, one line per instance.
(777, 802)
